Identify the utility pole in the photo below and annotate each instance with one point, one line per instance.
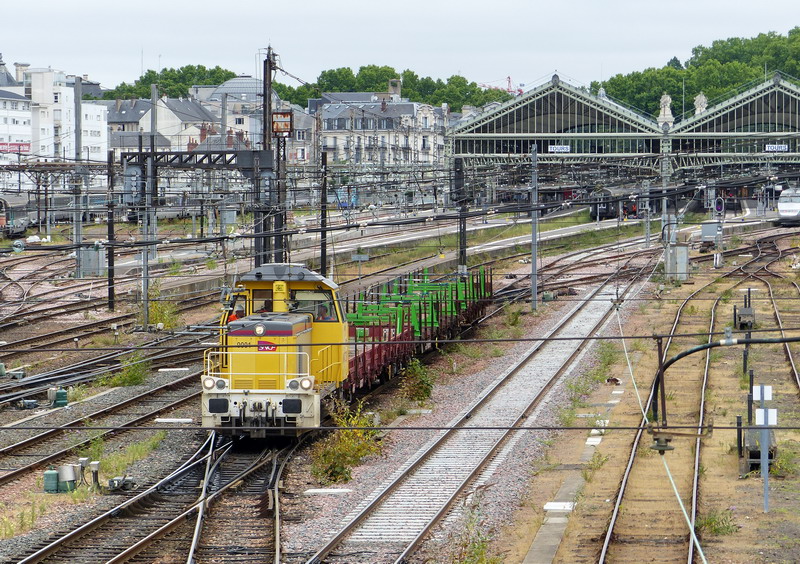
(458, 188)
(280, 203)
(267, 221)
(323, 216)
(148, 216)
(258, 214)
(665, 174)
(110, 237)
(666, 230)
(534, 226)
(78, 179)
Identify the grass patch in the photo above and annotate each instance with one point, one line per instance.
(471, 544)
(608, 355)
(566, 416)
(78, 392)
(134, 371)
(744, 380)
(595, 463)
(20, 519)
(116, 464)
(94, 450)
(334, 456)
(717, 522)
(785, 463)
(450, 242)
(104, 341)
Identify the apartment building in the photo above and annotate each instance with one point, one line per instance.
(53, 118)
(380, 128)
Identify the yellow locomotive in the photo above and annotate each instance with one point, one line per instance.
(286, 342)
(282, 348)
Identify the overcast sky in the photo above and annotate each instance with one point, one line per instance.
(583, 40)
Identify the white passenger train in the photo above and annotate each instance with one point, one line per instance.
(789, 206)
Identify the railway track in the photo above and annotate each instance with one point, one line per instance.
(646, 518)
(401, 512)
(152, 525)
(53, 339)
(44, 447)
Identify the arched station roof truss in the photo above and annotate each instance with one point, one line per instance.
(758, 125)
(572, 126)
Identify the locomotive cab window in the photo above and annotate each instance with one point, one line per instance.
(318, 303)
(237, 310)
(262, 301)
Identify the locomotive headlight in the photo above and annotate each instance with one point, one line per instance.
(306, 383)
(260, 329)
(208, 383)
(294, 385)
(221, 384)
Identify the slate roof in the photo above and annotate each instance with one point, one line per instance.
(333, 97)
(130, 139)
(6, 95)
(372, 110)
(132, 111)
(129, 111)
(190, 110)
(6, 78)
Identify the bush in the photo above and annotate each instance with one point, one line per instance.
(333, 457)
(134, 372)
(417, 384)
(162, 310)
(513, 314)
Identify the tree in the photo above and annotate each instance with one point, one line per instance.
(372, 78)
(337, 80)
(172, 82)
(675, 63)
(715, 70)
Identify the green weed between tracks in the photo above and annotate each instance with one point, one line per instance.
(134, 372)
(334, 456)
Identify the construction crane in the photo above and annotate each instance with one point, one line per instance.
(510, 88)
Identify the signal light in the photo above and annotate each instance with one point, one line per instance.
(719, 205)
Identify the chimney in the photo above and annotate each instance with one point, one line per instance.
(21, 68)
(86, 78)
(203, 132)
(118, 104)
(395, 86)
(240, 135)
(191, 145)
(383, 105)
(229, 139)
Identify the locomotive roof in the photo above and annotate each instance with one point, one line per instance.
(276, 324)
(287, 273)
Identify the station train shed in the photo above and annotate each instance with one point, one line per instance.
(755, 128)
